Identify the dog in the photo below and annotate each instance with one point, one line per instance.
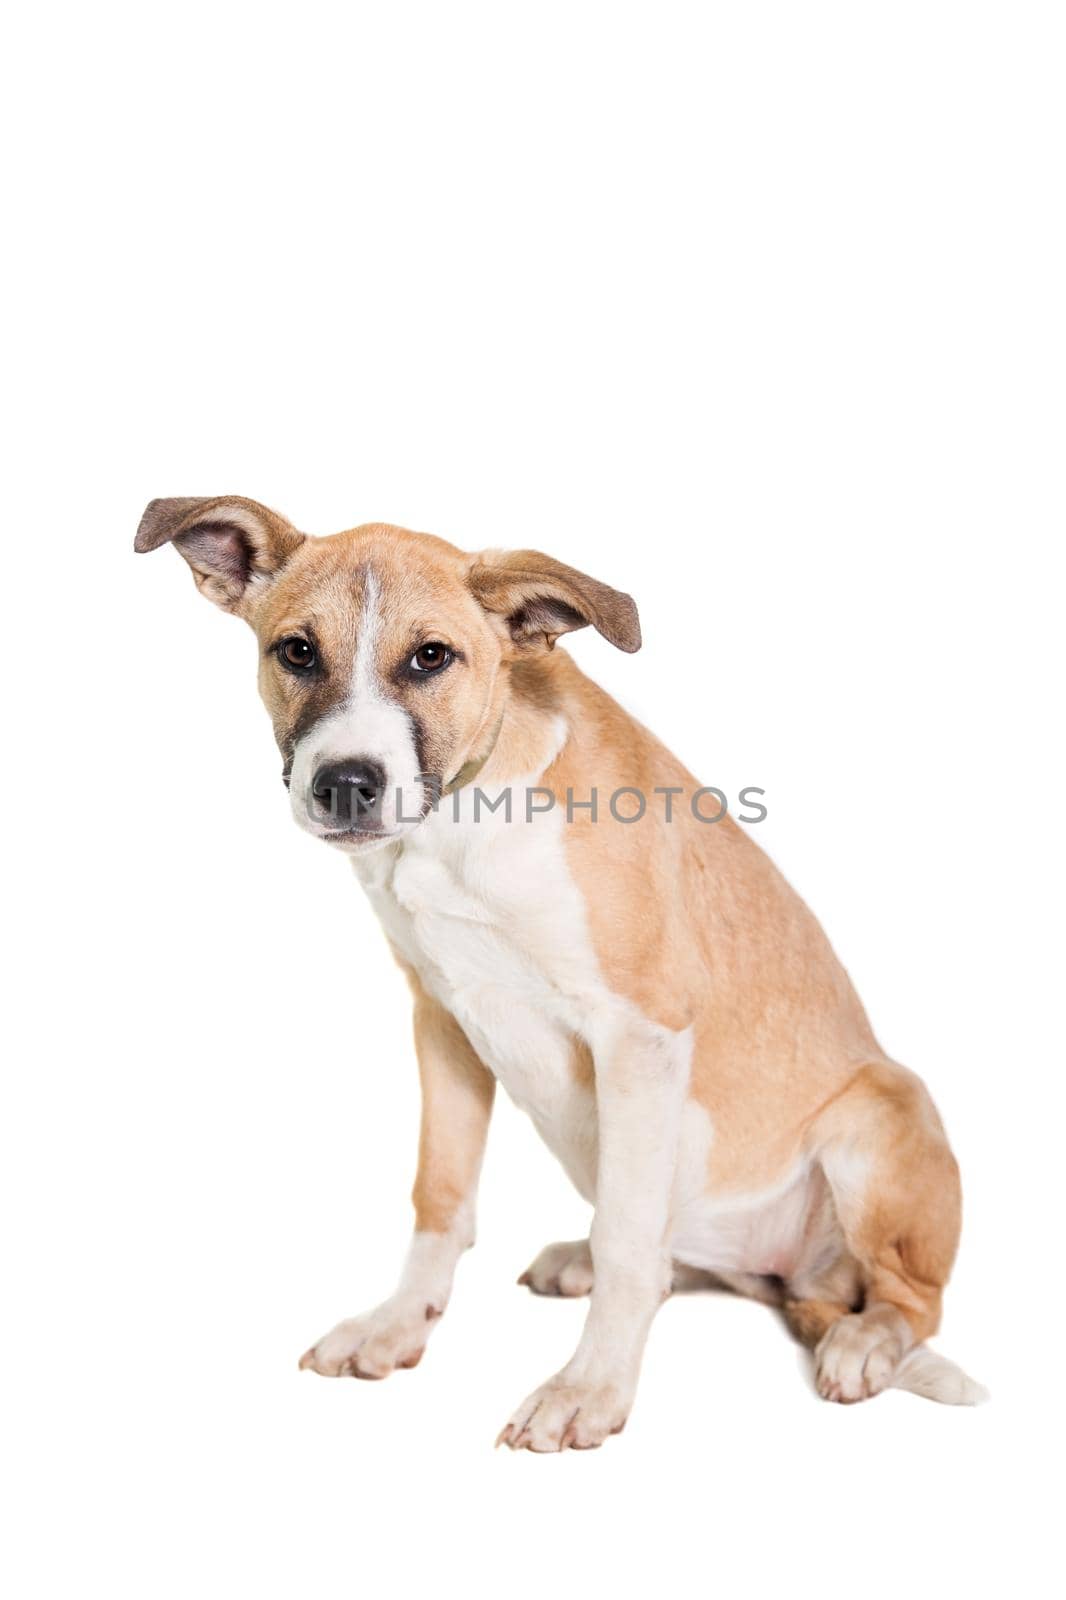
(646, 986)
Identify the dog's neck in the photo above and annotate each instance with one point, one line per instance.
(473, 766)
(525, 723)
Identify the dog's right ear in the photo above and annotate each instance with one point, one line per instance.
(233, 545)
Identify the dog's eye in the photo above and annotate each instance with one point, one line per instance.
(297, 654)
(431, 657)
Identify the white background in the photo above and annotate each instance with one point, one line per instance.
(755, 311)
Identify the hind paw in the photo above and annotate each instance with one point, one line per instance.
(561, 1269)
(857, 1358)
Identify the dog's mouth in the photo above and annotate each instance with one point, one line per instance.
(358, 838)
(355, 838)
(355, 816)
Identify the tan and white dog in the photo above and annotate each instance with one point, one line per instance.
(651, 991)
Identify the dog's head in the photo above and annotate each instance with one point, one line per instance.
(383, 654)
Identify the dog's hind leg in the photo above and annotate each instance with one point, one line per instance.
(825, 1282)
(896, 1194)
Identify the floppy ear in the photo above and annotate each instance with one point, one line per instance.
(231, 544)
(540, 598)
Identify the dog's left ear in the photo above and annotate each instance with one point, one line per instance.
(540, 598)
(231, 544)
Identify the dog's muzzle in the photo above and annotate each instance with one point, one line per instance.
(348, 794)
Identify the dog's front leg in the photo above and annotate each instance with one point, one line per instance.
(641, 1080)
(457, 1093)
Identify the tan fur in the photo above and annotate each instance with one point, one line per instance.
(690, 921)
(457, 1096)
(694, 924)
(422, 582)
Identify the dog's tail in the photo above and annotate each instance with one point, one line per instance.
(922, 1371)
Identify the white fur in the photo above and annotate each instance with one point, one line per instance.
(394, 1334)
(490, 917)
(369, 724)
(848, 1170)
(928, 1373)
(480, 901)
(760, 1233)
(491, 920)
(561, 1269)
(484, 908)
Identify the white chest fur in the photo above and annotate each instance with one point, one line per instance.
(488, 915)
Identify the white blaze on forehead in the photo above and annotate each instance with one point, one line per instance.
(379, 726)
(363, 670)
(368, 725)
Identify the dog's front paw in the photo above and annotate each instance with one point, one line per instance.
(566, 1415)
(391, 1336)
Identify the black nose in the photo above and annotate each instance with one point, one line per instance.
(350, 791)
